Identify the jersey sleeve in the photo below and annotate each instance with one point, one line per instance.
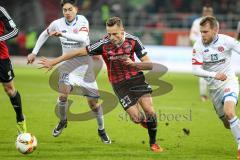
(194, 32)
(238, 27)
(85, 26)
(9, 24)
(139, 49)
(52, 27)
(95, 48)
(197, 58)
(233, 44)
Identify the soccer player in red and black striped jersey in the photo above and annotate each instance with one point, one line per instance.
(9, 30)
(128, 81)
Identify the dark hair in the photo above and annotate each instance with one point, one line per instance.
(114, 20)
(73, 2)
(211, 20)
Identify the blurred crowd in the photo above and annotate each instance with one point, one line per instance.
(148, 19)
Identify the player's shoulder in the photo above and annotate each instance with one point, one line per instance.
(130, 36)
(58, 21)
(198, 45)
(225, 38)
(82, 18)
(103, 40)
(197, 20)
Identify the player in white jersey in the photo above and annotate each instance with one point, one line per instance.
(238, 31)
(212, 60)
(194, 36)
(72, 31)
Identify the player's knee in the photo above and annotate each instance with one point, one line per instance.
(10, 90)
(62, 98)
(226, 125)
(150, 113)
(136, 118)
(225, 122)
(93, 104)
(229, 115)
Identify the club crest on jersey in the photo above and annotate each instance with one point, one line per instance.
(220, 49)
(75, 30)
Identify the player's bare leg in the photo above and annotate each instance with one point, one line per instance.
(15, 99)
(229, 110)
(147, 105)
(136, 117)
(62, 103)
(98, 112)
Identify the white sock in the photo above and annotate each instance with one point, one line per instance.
(235, 128)
(202, 86)
(62, 109)
(99, 117)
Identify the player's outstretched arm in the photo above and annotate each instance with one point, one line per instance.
(41, 40)
(145, 63)
(49, 64)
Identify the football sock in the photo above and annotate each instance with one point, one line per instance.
(152, 128)
(62, 106)
(17, 105)
(202, 86)
(99, 116)
(235, 128)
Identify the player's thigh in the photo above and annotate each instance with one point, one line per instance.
(93, 103)
(134, 113)
(84, 85)
(146, 103)
(216, 96)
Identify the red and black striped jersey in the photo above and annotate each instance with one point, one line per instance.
(8, 30)
(114, 57)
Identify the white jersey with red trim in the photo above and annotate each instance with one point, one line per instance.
(77, 71)
(215, 57)
(195, 33)
(74, 34)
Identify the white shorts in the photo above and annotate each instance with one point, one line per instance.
(79, 74)
(229, 91)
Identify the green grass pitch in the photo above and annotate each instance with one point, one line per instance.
(208, 139)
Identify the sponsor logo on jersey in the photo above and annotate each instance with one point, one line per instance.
(64, 31)
(215, 62)
(206, 50)
(221, 49)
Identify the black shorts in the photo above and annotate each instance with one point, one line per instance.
(129, 91)
(6, 71)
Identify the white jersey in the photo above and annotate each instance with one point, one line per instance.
(195, 33)
(74, 34)
(79, 70)
(214, 58)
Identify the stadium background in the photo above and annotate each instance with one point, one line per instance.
(163, 26)
(156, 22)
